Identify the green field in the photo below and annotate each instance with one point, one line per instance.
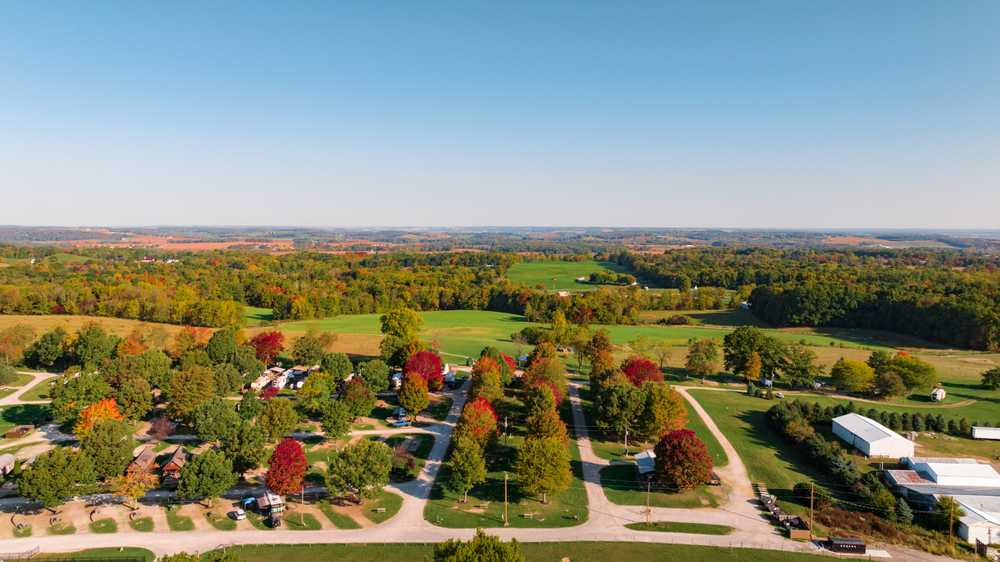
(534, 552)
(622, 487)
(120, 554)
(675, 527)
(465, 332)
(256, 316)
(557, 275)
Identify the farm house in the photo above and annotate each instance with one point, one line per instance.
(986, 432)
(870, 437)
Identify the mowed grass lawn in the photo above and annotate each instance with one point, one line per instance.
(464, 333)
(558, 275)
(23, 414)
(533, 552)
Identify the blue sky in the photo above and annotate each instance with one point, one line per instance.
(817, 114)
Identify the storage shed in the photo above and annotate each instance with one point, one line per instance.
(986, 432)
(870, 437)
(645, 463)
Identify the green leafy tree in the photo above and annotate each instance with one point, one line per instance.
(206, 477)
(135, 398)
(246, 364)
(914, 372)
(92, 346)
(376, 375)
(740, 345)
(799, 369)
(337, 365)
(315, 393)
(539, 399)
(889, 384)
(400, 328)
(619, 407)
(309, 348)
(543, 467)
(413, 394)
(278, 418)
(879, 360)
(221, 347)
(702, 358)
(852, 376)
(361, 468)
(547, 424)
(72, 393)
(109, 445)
(468, 467)
(227, 378)
(948, 510)
(250, 406)
(48, 350)
(8, 375)
(358, 398)
(188, 390)
(481, 548)
(335, 418)
(215, 419)
(56, 475)
(244, 447)
(991, 379)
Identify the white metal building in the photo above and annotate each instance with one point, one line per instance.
(986, 432)
(870, 437)
(645, 462)
(981, 520)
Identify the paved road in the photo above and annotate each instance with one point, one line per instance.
(37, 378)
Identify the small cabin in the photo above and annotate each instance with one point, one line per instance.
(938, 394)
(144, 461)
(172, 468)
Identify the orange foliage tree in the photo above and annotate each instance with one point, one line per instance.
(106, 409)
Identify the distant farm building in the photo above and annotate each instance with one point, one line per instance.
(938, 394)
(870, 437)
(986, 432)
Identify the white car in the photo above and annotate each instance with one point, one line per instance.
(238, 514)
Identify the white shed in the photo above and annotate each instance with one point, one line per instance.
(986, 432)
(938, 394)
(981, 520)
(870, 437)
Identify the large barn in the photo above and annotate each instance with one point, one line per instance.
(871, 438)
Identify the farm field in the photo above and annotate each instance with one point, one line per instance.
(533, 552)
(558, 275)
(72, 323)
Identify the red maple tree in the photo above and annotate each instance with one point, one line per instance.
(269, 392)
(427, 364)
(287, 468)
(511, 364)
(682, 460)
(268, 345)
(639, 370)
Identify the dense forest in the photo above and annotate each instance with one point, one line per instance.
(948, 297)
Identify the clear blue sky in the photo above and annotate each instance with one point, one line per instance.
(840, 113)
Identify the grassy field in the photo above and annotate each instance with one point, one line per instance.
(70, 323)
(621, 486)
(34, 414)
(675, 527)
(256, 316)
(557, 275)
(123, 554)
(533, 552)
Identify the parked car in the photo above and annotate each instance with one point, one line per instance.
(401, 422)
(238, 514)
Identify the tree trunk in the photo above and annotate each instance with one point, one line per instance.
(545, 498)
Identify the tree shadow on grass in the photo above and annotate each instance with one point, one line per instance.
(24, 414)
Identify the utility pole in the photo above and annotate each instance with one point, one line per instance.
(812, 495)
(506, 435)
(506, 519)
(649, 484)
(626, 441)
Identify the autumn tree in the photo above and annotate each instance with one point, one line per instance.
(13, 342)
(539, 399)
(206, 476)
(468, 467)
(638, 370)
(361, 468)
(547, 424)
(428, 365)
(486, 380)
(740, 344)
(287, 468)
(752, 370)
(132, 344)
(682, 460)
(662, 412)
(542, 467)
(413, 394)
(134, 484)
(702, 358)
(267, 345)
(315, 393)
(852, 376)
(478, 422)
(188, 390)
(72, 393)
(551, 372)
(105, 409)
(358, 398)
